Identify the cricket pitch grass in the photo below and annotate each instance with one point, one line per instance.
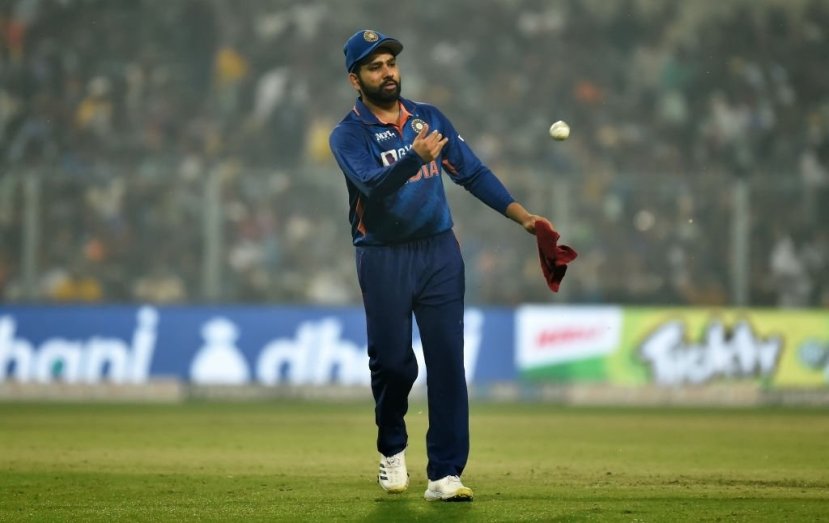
(315, 461)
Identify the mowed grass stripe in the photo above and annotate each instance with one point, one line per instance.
(315, 461)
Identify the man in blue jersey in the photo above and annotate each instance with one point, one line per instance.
(392, 152)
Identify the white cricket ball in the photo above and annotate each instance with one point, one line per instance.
(560, 130)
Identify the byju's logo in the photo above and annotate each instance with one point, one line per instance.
(392, 155)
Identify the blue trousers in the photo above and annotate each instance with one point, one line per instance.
(425, 278)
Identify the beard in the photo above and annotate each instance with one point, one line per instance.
(380, 96)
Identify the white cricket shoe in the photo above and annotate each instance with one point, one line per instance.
(393, 476)
(449, 488)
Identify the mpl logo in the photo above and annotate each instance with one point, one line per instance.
(90, 360)
(385, 135)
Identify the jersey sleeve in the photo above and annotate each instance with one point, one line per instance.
(353, 154)
(467, 170)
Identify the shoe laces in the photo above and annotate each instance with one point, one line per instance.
(456, 480)
(392, 462)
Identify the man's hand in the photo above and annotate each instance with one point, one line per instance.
(532, 219)
(428, 146)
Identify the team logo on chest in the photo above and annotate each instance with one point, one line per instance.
(417, 125)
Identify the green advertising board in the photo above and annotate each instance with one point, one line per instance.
(673, 346)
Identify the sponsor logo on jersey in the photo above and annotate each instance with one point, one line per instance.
(385, 135)
(426, 171)
(389, 157)
(392, 155)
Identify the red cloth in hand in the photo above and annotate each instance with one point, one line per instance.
(554, 257)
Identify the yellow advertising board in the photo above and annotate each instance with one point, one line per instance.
(687, 346)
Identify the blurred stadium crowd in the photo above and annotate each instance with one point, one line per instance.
(125, 111)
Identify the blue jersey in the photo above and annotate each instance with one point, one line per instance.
(393, 195)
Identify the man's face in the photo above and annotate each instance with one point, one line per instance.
(378, 79)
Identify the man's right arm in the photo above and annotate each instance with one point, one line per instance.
(354, 157)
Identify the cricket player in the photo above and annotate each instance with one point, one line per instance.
(392, 152)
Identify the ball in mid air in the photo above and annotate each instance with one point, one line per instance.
(560, 130)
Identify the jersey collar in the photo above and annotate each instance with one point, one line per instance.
(365, 115)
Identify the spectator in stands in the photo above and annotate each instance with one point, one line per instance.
(78, 285)
(676, 98)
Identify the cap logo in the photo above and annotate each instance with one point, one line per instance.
(370, 36)
(417, 125)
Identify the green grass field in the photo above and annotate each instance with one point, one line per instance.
(312, 461)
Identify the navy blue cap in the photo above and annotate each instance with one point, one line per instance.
(363, 43)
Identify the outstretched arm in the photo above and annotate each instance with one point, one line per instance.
(517, 213)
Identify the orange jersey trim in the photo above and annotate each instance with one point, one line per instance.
(402, 119)
(449, 167)
(358, 209)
